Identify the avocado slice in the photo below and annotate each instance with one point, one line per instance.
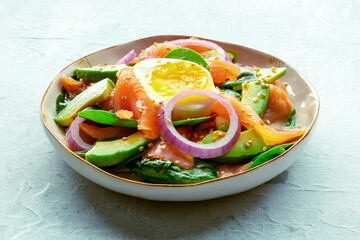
(248, 145)
(109, 153)
(271, 74)
(231, 55)
(92, 95)
(108, 118)
(255, 95)
(97, 73)
(222, 123)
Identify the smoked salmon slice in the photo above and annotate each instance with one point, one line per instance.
(157, 50)
(279, 106)
(164, 151)
(130, 95)
(105, 132)
(250, 119)
(222, 70)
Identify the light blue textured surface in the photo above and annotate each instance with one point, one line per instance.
(317, 198)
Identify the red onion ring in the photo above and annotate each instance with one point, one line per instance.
(127, 58)
(73, 138)
(203, 43)
(171, 136)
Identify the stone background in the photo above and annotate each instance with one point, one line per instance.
(317, 198)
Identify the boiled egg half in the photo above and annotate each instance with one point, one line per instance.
(162, 78)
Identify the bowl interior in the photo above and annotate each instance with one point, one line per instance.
(303, 95)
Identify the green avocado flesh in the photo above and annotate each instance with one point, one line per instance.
(240, 152)
(108, 118)
(92, 95)
(222, 123)
(269, 75)
(109, 153)
(255, 96)
(231, 55)
(97, 73)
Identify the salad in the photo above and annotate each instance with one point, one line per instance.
(180, 112)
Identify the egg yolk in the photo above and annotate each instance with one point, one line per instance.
(171, 78)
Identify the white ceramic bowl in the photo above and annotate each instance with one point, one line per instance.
(303, 95)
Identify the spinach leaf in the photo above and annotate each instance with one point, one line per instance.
(201, 163)
(188, 55)
(291, 122)
(164, 171)
(232, 92)
(246, 72)
(61, 101)
(236, 85)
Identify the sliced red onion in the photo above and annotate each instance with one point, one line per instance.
(171, 136)
(127, 58)
(203, 43)
(73, 138)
